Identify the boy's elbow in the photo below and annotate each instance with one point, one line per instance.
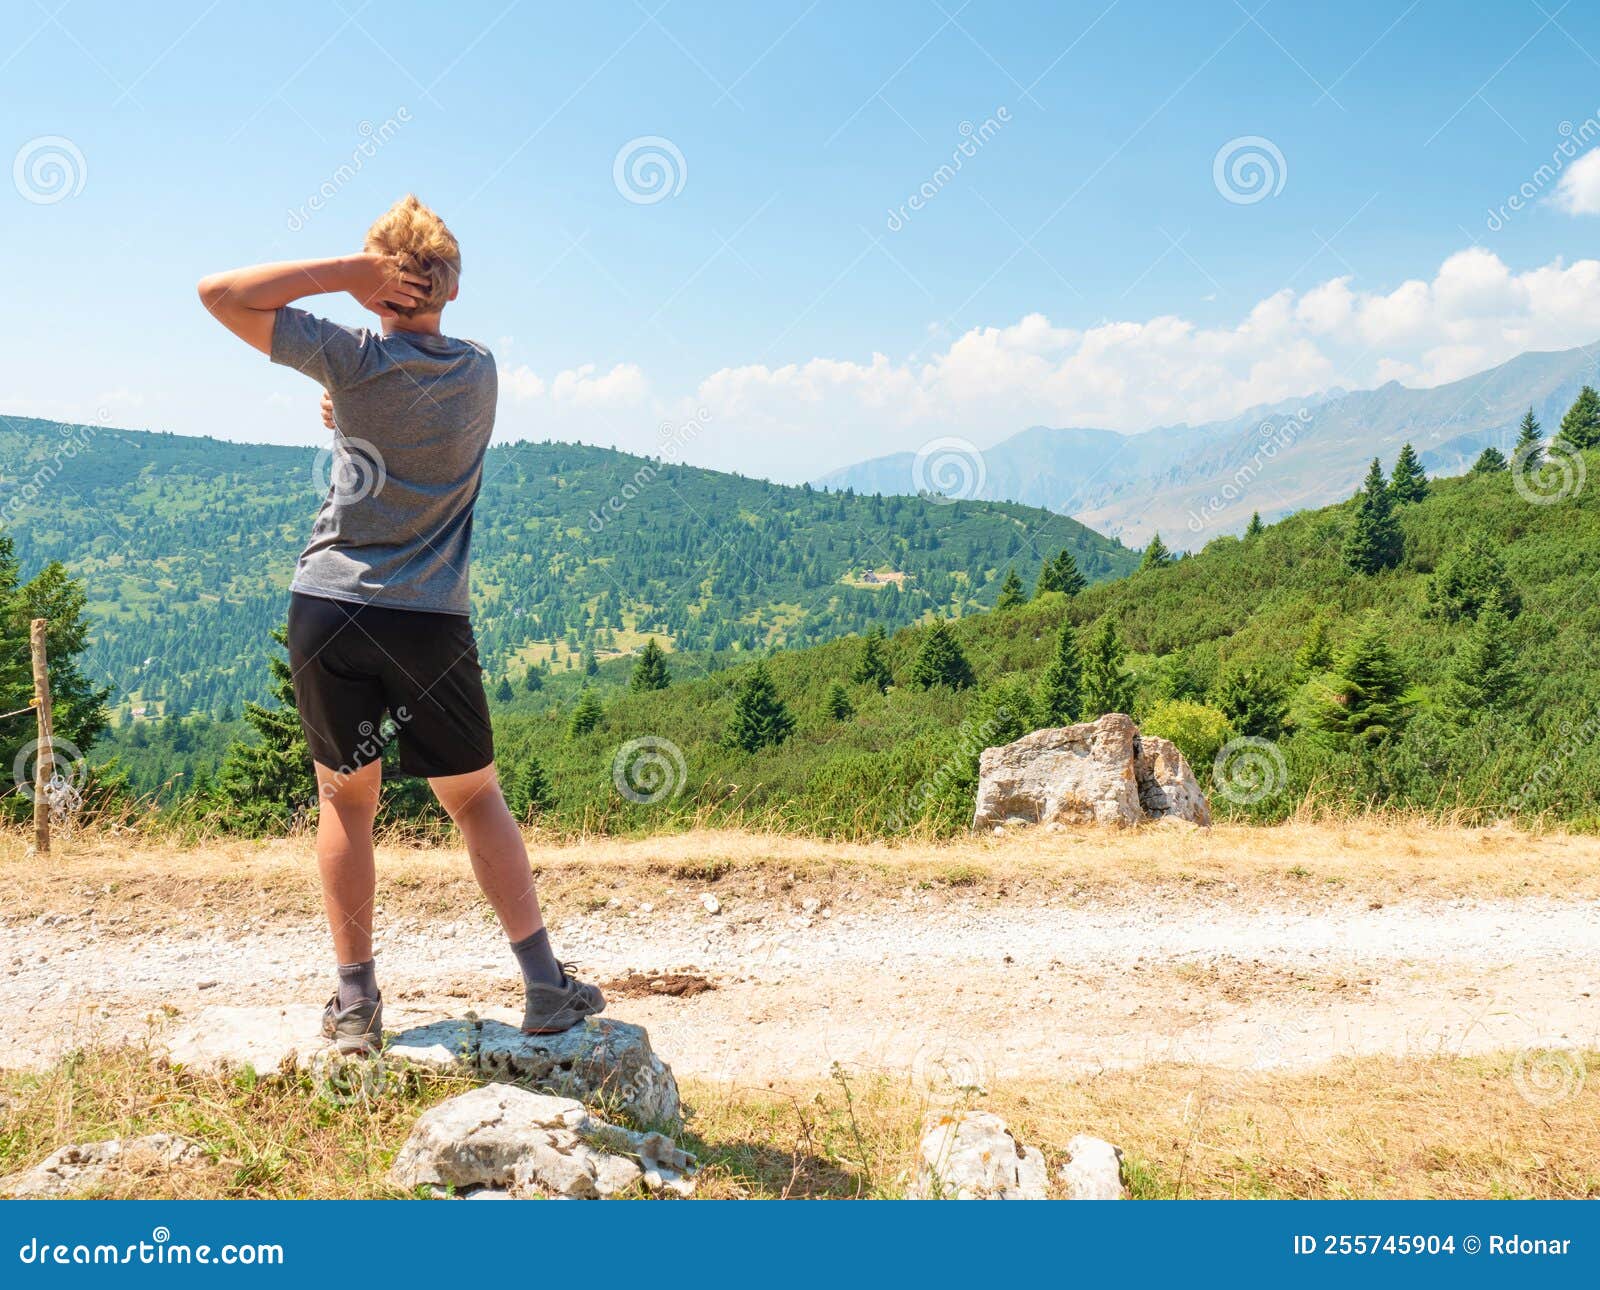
(212, 290)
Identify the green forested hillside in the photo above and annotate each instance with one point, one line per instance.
(1460, 679)
(186, 546)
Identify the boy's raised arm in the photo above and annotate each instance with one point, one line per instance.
(245, 300)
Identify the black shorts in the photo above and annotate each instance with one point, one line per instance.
(353, 664)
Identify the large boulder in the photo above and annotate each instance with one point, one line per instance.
(1093, 1170)
(1096, 772)
(971, 1155)
(604, 1062)
(510, 1140)
(91, 1166)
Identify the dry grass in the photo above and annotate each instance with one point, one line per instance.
(1373, 1127)
(143, 881)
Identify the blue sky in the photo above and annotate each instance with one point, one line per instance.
(1084, 265)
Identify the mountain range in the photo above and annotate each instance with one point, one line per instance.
(1193, 482)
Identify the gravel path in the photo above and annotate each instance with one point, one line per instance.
(940, 985)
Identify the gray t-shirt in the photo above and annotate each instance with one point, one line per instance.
(414, 414)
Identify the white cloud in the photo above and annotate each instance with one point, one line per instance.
(1578, 193)
(799, 420)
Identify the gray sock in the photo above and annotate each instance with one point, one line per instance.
(538, 964)
(357, 981)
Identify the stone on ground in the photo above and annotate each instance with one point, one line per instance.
(971, 1155)
(89, 1166)
(604, 1061)
(503, 1138)
(447, 1047)
(265, 1039)
(1093, 1170)
(1097, 772)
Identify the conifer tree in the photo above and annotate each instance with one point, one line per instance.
(1106, 687)
(940, 660)
(528, 790)
(1483, 676)
(1467, 577)
(532, 681)
(1061, 574)
(872, 667)
(1061, 690)
(1490, 461)
(1409, 482)
(1315, 654)
(1580, 428)
(1253, 703)
(503, 693)
(1010, 592)
(837, 703)
(591, 665)
(1367, 702)
(760, 719)
(1374, 540)
(1255, 527)
(1530, 440)
(1156, 555)
(586, 716)
(650, 672)
(265, 782)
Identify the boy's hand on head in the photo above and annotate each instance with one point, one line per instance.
(382, 284)
(327, 410)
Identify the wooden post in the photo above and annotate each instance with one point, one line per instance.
(44, 765)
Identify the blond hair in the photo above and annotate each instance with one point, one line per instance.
(425, 245)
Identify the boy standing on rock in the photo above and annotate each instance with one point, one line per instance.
(378, 610)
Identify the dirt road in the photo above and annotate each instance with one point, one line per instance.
(1015, 964)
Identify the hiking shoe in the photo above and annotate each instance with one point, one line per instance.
(357, 1029)
(554, 1008)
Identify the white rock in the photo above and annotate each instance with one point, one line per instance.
(711, 904)
(445, 1046)
(1097, 772)
(971, 1155)
(601, 1060)
(265, 1039)
(87, 1166)
(508, 1139)
(1093, 1170)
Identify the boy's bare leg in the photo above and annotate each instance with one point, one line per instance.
(499, 856)
(349, 803)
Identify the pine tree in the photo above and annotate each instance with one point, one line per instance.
(503, 693)
(528, 790)
(1467, 578)
(532, 681)
(77, 703)
(1253, 703)
(1255, 527)
(1061, 691)
(1530, 441)
(837, 703)
(760, 718)
(940, 660)
(1156, 555)
(1409, 483)
(650, 672)
(266, 782)
(1490, 461)
(1060, 574)
(591, 665)
(1106, 687)
(586, 716)
(1580, 428)
(872, 667)
(1315, 654)
(1367, 702)
(1010, 592)
(1374, 541)
(1483, 676)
